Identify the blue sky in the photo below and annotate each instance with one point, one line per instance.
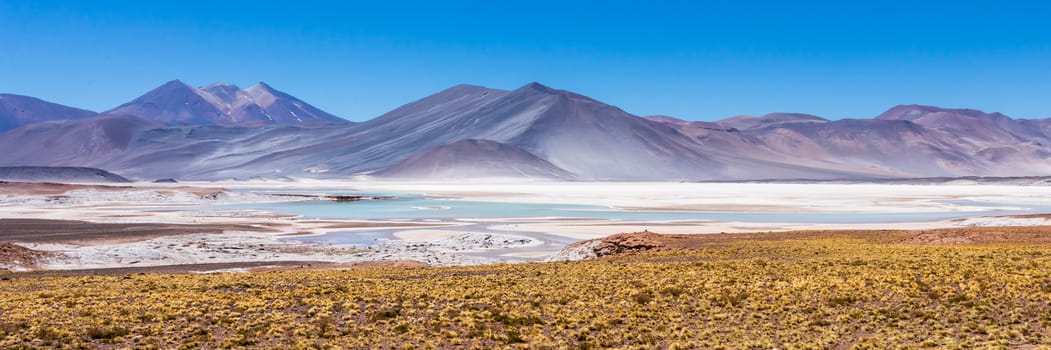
(698, 60)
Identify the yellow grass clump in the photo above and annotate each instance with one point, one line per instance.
(798, 293)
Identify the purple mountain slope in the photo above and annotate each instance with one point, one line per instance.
(687, 124)
(1006, 145)
(578, 134)
(375, 144)
(906, 141)
(969, 123)
(176, 103)
(575, 133)
(790, 150)
(474, 159)
(145, 149)
(265, 105)
(1038, 130)
(58, 174)
(88, 142)
(16, 111)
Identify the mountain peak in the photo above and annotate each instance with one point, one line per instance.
(176, 103)
(220, 85)
(538, 87)
(174, 85)
(467, 87)
(261, 87)
(177, 82)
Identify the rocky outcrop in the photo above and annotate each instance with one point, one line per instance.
(621, 243)
(17, 258)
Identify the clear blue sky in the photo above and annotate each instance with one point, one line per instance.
(699, 60)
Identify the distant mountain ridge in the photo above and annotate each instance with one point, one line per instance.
(769, 120)
(58, 174)
(221, 131)
(176, 103)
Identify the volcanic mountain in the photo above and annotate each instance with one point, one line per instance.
(17, 110)
(176, 103)
(571, 131)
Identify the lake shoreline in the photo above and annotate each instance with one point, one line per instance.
(213, 219)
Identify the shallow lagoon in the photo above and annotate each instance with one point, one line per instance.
(414, 207)
(471, 215)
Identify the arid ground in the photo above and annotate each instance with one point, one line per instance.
(946, 288)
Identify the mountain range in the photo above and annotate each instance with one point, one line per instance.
(221, 131)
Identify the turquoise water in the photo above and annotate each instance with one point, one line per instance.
(412, 207)
(416, 207)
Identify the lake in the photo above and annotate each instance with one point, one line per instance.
(415, 207)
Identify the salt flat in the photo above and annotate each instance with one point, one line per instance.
(730, 197)
(739, 197)
(485, 239)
